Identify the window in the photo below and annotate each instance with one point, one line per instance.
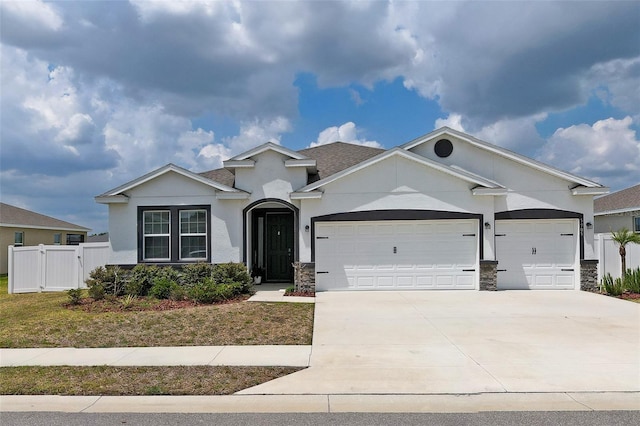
(18, 239)
(193, 234)
(636, 224)
(74, 239)
(173, 234)
(157, 235)
(57, 239)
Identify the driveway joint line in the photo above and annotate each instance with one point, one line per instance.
(454, 345)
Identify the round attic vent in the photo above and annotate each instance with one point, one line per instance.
(443, 148)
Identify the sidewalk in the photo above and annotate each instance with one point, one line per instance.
(259, 355)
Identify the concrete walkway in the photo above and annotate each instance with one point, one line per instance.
(273, 355)
(275, 293)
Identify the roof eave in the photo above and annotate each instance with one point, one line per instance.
(112, 199)
(581, 190)
(311, 195)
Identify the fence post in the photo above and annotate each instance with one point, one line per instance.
(80, 257)
(42, 268)
(10, 270)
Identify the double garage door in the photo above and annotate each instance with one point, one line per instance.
(443, 254)
(380, 255)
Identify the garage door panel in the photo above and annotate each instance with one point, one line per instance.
(397, 254)
(537, 253)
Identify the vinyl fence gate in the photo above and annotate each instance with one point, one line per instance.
(53, 267)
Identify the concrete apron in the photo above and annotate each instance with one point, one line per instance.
(468, 342)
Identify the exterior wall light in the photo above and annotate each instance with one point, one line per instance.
(589, 225)
(306, 228)
(487, 225)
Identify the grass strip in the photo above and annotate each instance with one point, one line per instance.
(106, 380)
(42, 320)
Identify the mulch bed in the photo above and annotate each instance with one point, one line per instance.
(141, 304)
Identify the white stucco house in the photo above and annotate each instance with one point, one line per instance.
(443, 211)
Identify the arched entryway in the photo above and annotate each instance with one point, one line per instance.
(271, 239)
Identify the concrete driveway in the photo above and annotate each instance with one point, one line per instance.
(468, 342)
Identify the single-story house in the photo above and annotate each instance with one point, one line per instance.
(443, 211)
(618, 210)
(20, 227)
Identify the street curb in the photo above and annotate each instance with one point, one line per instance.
(395, 403)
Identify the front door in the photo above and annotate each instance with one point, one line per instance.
(279, 246)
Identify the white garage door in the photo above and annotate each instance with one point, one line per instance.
(429, 254)
(537, 254)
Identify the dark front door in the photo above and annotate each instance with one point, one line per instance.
(279, 246)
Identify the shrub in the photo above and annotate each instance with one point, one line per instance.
(208, 291)
(162, 288)
(141, 279)
(230, 273)
(632, 280)
(75, 296)
(127, 301)
(106, 281)
(194, 273)
(611, 286)
(96, 291)
(178, 293)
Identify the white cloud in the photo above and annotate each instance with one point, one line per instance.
(34, 14)
(258, 132)
(607, 152)
(348, 133)
(453, 121)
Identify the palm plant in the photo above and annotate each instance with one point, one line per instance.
(623, 237)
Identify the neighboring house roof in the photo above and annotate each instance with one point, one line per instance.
(100, 238)
(618, 202)
(16, 217)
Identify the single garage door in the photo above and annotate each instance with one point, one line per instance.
(417, 254)
(537, 254)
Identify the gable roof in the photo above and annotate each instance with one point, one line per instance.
(453, 171)
(503, 152)
(269, 146)
(16, 217)
(117, 194)
(618, 202)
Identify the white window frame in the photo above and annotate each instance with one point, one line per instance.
(145, 235)
(194, 234)
(636, 224)
(57, 239)
(15, 239)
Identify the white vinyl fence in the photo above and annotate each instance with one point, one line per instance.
(608, 255)
(53, 268)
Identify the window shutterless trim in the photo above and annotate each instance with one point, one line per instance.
(152, 235)
(174, 234)
(192, 234)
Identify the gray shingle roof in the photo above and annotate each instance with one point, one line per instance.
(330, 159)
(338, 156)
(11, 215)
(625, 199)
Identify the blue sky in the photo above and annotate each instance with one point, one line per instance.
(95, 94)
